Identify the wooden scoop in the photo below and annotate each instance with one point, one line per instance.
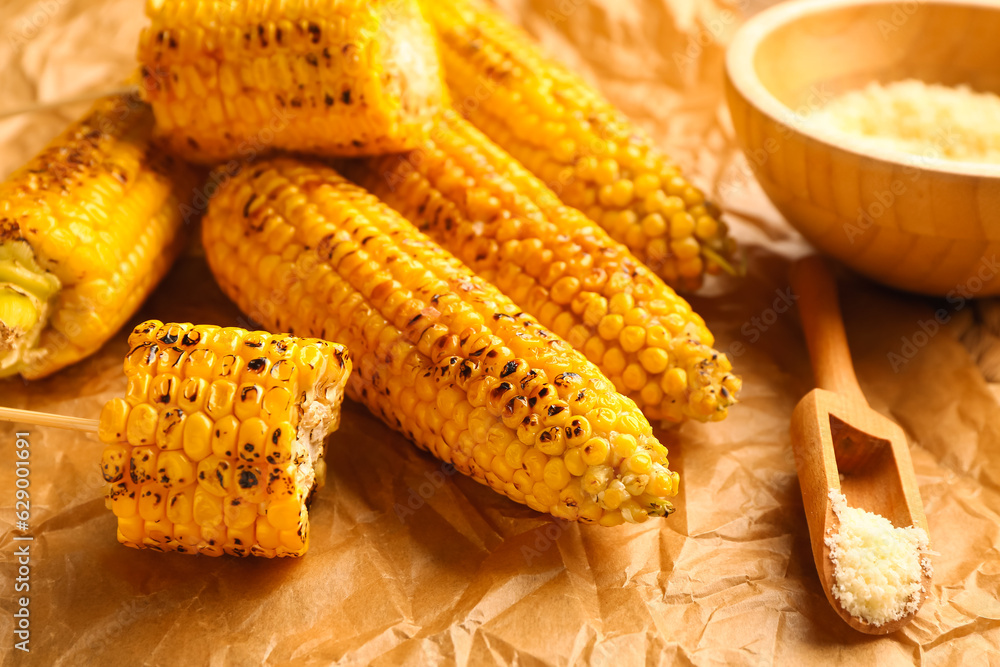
(835, 433)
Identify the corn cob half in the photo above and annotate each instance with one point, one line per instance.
(480, 204)
(442, 356)
(87, 229)
(218, 443)
(584, 149)
(231, 80)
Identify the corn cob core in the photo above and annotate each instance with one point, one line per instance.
(218, 442)
(442, 355)
(231, 80)
(87, 229)
(480, 204)
(583, 148)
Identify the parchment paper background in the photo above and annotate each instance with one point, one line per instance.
(410, 565)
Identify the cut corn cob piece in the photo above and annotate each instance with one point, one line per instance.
(218, 444)
(87, 229)
(232, 80)
(479, 203)
(442, 356)
(583, 148)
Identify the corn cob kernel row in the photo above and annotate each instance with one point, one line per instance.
(233, 80)
(480, 204)
(583, 148)
(87, 229)
(442, 356)
(218, 442)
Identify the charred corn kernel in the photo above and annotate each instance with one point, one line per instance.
(552, 261)
(113, 462)
(121, 499)
(170, 429)
(616, 167)
(595, 451)
(443, 356)
(175, 470)
(151, 503)
(180, 506)
(87, 229)
(341, 78)
(224, 436)
(186, 482)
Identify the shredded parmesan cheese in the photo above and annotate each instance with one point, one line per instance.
(929, 120)
(878, 568)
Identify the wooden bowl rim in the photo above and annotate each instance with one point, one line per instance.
(742, 75)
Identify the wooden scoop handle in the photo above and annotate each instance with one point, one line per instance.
(819, 310)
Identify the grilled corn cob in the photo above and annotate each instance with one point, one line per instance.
(218, 442)
(442, 356)
(87, 229)
(480, 204)
(583, 148)
(236, 79)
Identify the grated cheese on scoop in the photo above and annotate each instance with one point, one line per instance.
(929, 120)
(877, 568)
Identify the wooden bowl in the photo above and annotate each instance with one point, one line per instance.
(910, 221)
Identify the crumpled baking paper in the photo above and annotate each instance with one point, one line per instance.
(412, 564)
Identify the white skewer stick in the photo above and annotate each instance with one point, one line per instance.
(46, 419)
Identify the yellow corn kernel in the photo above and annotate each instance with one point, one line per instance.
(207, 508)
(197, 436)
(131, 530)
(284, 515)
(623, 444)
(141, 426)
(114, 420)
(556, 475)
(596, 451)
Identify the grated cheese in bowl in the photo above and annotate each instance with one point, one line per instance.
(929, 120)
(877, 568)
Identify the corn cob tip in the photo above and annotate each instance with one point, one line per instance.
(25, 292)
(586, 150)
(18, 316)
